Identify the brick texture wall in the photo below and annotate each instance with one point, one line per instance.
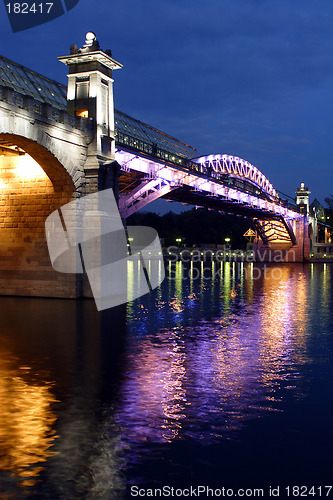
(27, 197)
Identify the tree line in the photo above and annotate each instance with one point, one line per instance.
(195, 227)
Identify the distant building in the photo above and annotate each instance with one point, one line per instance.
(322, 231)
(302, 198)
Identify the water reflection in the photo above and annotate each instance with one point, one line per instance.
(59, 383)
(26, 424)
(224, 370)
(212, 349)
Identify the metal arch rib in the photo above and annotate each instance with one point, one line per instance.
(289, 229)
(260, 231)
(227, 164)
(146, 192)
(274, 230)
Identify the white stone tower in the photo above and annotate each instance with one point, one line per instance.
(90, 95)
(302, 199)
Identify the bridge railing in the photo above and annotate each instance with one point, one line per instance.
(151, 149)
(287, 201)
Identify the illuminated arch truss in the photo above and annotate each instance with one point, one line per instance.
(278, 230)
(147, 191)
(157, 179)
(232, 165)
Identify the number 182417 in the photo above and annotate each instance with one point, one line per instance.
(24, 8)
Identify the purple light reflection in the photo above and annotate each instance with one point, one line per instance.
(217, 374)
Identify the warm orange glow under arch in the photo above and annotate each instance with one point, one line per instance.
(56, 172)
(33, 183)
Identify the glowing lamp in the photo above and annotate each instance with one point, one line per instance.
(90, 38)
(84, 113)
(29, 169)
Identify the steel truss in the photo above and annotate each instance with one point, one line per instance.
(159, 179)
(226, 164)
(148, 190)
(275, 230)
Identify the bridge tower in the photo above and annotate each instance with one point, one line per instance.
(302, 199)
(285, 240)
(90, 95)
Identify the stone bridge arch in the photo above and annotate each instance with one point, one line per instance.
(53, 144)
(42, 153)
(33, 183)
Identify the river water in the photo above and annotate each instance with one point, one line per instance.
(220, 377)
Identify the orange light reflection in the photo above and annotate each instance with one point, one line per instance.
(26, 424)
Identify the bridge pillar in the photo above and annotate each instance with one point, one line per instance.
(279, 251)
(90, 96)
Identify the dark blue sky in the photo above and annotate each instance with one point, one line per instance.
(252, 78)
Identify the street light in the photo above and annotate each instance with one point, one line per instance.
(227, 246)
(178, 241)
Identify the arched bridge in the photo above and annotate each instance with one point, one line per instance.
(221, 182)
(226, 165)
(58, 143)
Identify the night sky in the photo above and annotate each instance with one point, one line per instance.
(251, 78)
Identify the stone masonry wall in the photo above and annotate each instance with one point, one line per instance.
(27, 197)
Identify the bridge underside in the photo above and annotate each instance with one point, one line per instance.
(186, 195)
(277, 239)
(134, 186)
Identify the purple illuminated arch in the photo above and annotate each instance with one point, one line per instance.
(227, 164)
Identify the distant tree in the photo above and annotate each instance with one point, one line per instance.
(329, 202)
(329, 210)
(195, 227)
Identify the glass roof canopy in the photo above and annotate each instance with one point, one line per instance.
(125, 125)
(28, 82)
(130, 131)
